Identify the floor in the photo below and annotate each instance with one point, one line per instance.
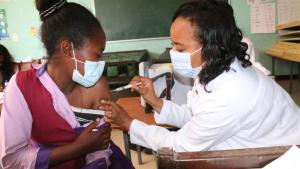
(149, 160)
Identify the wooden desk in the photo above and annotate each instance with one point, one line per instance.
(135, 110)
(287, 51)
(121, 60)
(163, 58)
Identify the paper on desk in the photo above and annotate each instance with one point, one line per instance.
(289, 160)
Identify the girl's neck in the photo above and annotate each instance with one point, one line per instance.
(58, 71)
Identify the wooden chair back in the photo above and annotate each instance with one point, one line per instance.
(224, 159)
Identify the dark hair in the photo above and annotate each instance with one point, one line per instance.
(216, 30)
(70, 21)
(7, 67)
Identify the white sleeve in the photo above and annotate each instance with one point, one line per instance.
(15, 131)
(212, 124)
(173, 114)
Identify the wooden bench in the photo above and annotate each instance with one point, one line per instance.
(224, 159)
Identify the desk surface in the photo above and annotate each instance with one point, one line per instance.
(136, 110)
(285, 50)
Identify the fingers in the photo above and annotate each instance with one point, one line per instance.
(108, 106)
(105, 105)
(107, 119)
(105, 144)
(114, 104)
(103, 132)
(108, 116)
(146, 83)
(104, 125)
(135, 79)
(104, 137)
(93, 125)
(105, 102)
(135, 88)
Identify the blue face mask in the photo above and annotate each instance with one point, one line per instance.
(92, 72)
(181, 62)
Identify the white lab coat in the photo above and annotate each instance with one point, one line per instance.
(244, 109)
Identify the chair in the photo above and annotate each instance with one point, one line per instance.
(223, 159)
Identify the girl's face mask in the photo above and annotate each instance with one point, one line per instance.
(92, 71)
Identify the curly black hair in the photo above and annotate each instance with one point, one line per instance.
(7, 67)
(70, 21)
(216, 30)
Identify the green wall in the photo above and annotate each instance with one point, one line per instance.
(22, 15)
(261, 41)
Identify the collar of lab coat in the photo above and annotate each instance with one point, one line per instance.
(235, 67)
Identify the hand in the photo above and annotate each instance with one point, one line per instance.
(92, 140)
(147, 91)
(115, 114)
(88, 141)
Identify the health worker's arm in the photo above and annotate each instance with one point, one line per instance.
(173, 114)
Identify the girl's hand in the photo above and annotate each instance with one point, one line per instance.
(93, 138)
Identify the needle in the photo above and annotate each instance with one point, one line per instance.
(126, 87)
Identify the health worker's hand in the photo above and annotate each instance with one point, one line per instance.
(115, 114)
(146, 90)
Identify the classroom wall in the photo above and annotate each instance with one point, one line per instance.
(22, 15)
(21, 18)
(23, 28)
(242, 15)
(261, 41)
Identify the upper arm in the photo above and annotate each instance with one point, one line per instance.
(102, 88)
(15, 130)
(101, 91)
(89, 98)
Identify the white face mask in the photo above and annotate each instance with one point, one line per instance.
(92, 71)
(181, 62)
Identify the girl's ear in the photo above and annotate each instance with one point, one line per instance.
(66, 48)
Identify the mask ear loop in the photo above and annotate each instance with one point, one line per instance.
(74, 57)
(196, 51)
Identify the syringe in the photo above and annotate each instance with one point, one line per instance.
(126, 87)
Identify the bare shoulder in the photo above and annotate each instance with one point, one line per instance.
(102, 88)
(90, 97)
